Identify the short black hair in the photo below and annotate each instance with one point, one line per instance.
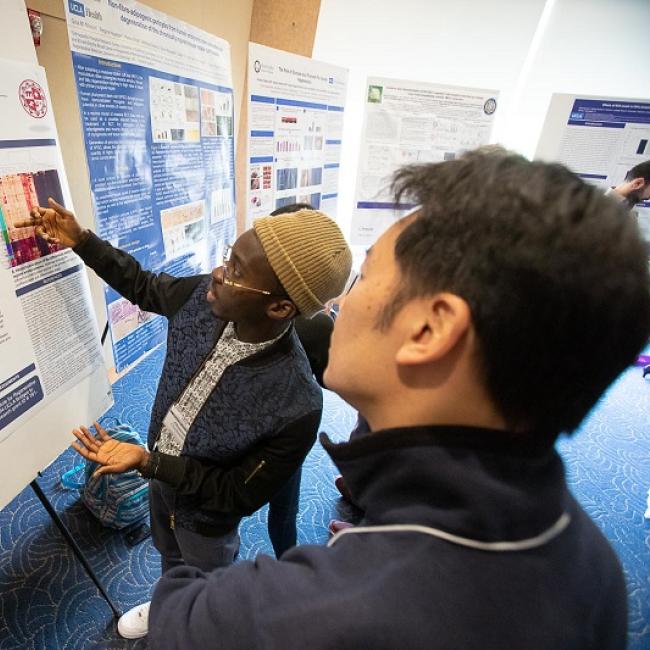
(642, 170)
(291, 207)
(555, 275)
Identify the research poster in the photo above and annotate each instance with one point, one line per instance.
(295, 127)
(156, 103)
(49, 343)
(600, 139)
(409, 122)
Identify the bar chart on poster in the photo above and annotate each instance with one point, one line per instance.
(52, 375)
(295, 127)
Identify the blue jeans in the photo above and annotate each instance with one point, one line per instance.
(180, 546)
(283, 509)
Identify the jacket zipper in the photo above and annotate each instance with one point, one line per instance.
(257, 469)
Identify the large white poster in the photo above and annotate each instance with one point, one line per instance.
(600, 139)
(295, 122)
(157, 111)
(411, 122)
(49, 344)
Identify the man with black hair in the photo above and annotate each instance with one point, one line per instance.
(481, 327)
(635, 188)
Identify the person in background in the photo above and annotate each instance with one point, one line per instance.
(314, 334)
(635, 188)
(237, 407)
(481, 328)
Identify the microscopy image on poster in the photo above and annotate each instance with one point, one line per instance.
(174, 110)
(295, 118)
(183, 228)
(216, 114)
(156, 103)
(126, 317)
(19, 193)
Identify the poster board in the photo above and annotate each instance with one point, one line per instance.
(295, 128)
(599, 139)
(408, 122)
(156, 102)
(52, 375)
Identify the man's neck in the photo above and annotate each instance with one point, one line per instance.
(258, 332)
(412, 411)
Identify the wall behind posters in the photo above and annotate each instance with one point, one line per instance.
(526, 50)
(461, 43)
(229, 19)
(598, 47)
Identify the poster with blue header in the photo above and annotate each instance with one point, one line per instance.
(156, 102)
(296, 108)
(600, 139)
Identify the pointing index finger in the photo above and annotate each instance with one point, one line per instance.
(59, 208)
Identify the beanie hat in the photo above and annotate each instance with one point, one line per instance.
(309, 254)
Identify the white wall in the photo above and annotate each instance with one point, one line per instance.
(527, 49)
(589, 47)
(16, 43)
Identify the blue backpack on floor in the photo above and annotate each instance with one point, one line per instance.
(117, 500)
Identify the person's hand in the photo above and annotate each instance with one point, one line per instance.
(55, 225)
(114, 457)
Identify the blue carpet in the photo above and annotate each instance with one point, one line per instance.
(48, 602)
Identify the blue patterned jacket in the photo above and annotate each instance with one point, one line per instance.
(257, 425)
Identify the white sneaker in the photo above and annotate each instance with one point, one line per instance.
(135, 623)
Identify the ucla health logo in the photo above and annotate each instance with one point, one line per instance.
(76, 8)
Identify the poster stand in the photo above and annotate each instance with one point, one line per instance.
(72, 544)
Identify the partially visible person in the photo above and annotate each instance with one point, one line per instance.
(291, 207)
(237, 407)
(481, 328)
(351, 519)
(635, 188)
(314, 334)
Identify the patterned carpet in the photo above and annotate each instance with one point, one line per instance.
(48, 602)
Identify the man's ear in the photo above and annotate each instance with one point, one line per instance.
(637, 183)
(281, 310)
(434, 327)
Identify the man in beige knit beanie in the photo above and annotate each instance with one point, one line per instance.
(309, 256)
(237, 407)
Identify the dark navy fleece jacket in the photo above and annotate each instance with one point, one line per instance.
(452, 583)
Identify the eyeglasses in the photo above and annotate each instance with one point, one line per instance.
(225, 265)
(332, 306)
